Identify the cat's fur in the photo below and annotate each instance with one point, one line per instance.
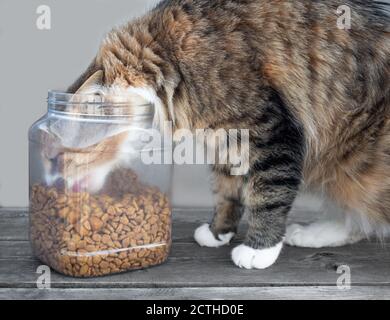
(315, 98)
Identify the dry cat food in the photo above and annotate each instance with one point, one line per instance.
(127, 226)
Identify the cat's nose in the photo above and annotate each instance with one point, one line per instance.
(57, 163)
(54, 162)
(59, 184)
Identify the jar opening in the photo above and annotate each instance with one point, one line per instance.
(95, 105)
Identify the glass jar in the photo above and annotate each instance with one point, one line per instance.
(96, 206)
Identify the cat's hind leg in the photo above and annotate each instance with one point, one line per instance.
(321, 234)
(228, 213)
(336, 227)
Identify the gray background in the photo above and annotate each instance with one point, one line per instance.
(33, 61)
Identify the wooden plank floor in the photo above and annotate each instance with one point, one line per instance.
(200, 273)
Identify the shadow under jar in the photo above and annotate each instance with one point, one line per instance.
(99, 196)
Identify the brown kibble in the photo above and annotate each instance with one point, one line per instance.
(73, 217)
(96, 259)
(89, 240)
(87, 225)
(105, 217)
(81, 230)
(71, 246)
(76, 238)
(130, 211)
(122, 255)
(119, 229)
(126, 242)
(98, 212)
(114, 236)
(124, 220)
(82, 234)
(86, 210)
(62, 199)
(111, 210)
(97, 237)
(84, 270)
(63, 212)
(153, 220)
(81, 244)
(141, 254)
(110, 229)
(104, 265)
(66, 236)
(96, 223)
(106, 239)
(90, 248)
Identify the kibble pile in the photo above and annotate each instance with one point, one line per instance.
(126, 227)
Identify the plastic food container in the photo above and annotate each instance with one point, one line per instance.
(96, 207)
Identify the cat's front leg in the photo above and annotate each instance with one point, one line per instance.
(268, 194)
(228, 212)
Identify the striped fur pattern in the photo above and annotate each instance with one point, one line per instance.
(315, 98)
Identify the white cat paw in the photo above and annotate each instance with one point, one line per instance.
(320, 234)
(295, 235)
(205, 238)
(249, 258)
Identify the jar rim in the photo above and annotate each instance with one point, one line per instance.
(94, 105)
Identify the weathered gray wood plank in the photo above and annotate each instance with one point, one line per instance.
(222, 293)
(190, 266)
(194, 272)
(13, 225)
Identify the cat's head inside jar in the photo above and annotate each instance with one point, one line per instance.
(90, 132)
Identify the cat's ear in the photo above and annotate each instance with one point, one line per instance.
(91, 86)
(92, 82)
(93, 71)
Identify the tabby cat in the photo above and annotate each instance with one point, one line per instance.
(315, 97)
